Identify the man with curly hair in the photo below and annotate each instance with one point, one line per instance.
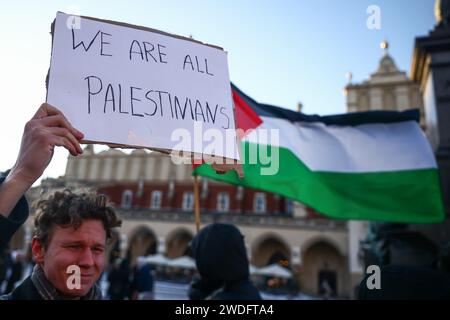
(71, 230)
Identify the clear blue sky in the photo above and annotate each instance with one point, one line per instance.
(279, 52)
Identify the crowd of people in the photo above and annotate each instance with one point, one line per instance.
(73, 230)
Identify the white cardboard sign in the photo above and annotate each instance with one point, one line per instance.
(133, 86)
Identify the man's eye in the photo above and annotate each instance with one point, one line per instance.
(98, 249)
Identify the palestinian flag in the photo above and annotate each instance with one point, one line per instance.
(375, 165)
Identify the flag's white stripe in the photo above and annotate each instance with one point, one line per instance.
(364, 148)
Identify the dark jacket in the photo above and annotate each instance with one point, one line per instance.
(221, 258)
(118, 279)
(25, 291)
(16, 275)
(8, 226)
(145, 278)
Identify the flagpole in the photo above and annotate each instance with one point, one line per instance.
(196, 204)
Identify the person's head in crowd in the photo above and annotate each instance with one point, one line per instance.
(221, 258)
(71, 229)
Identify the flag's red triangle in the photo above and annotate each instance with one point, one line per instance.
(246, 118)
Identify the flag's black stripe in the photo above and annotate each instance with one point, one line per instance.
(346, 119)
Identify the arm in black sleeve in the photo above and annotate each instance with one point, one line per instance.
(17, 217)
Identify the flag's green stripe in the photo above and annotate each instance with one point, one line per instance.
(401, 196)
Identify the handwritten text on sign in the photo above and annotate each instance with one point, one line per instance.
(123, 85)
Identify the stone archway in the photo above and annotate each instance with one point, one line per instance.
(142, 242)
(323, 270)
(177, 242)
(268, 249)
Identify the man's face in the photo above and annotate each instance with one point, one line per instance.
(84, 247)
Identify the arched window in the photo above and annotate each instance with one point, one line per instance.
(223, 202)
(188, 201)
(127, 199)
(156, 199)
(259, 202)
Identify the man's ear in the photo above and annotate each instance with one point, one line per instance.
(38, 251)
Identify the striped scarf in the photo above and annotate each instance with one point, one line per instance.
(48, 292)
